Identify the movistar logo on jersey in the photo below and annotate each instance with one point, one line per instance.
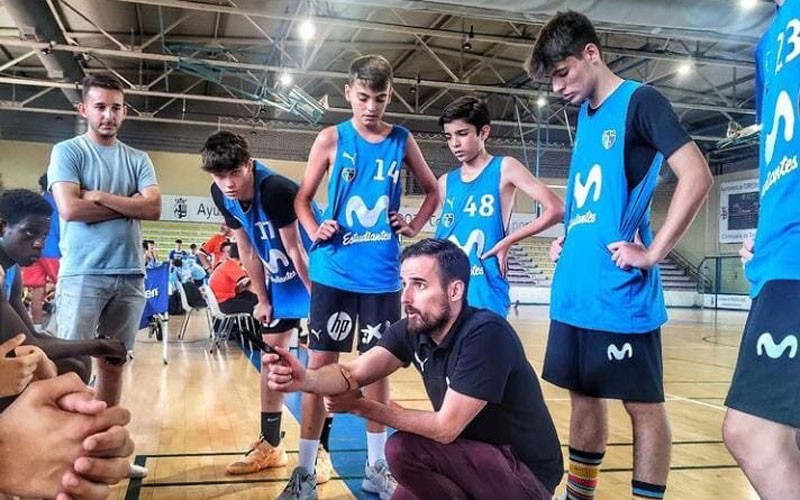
(609, 138)
(278, 262)
(476, 240)
(784, 111)
(367, 217)
(618, 354)
(357, 210)
(594, 182)
(766, 345)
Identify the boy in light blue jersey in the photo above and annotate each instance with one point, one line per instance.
(763, 417)
(258, 206)
(607, 302)
(354, 263)
(477, 200)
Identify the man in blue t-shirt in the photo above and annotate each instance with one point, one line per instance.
(761, 427)
(354, 260)
(477, 199)
(103, 189)
(490, 434)
(607, 302)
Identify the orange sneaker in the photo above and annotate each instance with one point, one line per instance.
(324, 467)
(261, 455)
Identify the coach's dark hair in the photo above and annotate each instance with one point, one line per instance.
(469, 108)
(453, 262)
(101, 81)
(566, 34)
(224, 152)
(18, 204)
(372, 69)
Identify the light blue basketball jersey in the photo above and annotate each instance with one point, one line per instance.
(289, 296)
(777, 246)
(364, 185)
(589, 290)
(472, 218)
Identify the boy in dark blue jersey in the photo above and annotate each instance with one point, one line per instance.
(354, 264)
(257, 205)
(763, 417)
(477, 199)
(607, 302)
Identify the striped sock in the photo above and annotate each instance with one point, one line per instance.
(640, 489)
(584, 474)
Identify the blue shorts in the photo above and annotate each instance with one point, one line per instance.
(338, 315)
(766, 382)
(88, 306)
(598, 364)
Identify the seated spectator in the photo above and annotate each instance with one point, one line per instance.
(194, 272)
(229, 283)
(179, 272)
(211, 249)
(45, 270)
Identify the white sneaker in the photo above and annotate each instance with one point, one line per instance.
(138, 471)
(378, 479)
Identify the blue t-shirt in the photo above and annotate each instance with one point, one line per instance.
(113, 246)
(50, 250)
(364, 186)
(472, 218)
(589, 290)
(777, 245)
(178, 254)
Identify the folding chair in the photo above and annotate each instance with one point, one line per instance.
(188, 312)
(226, 322)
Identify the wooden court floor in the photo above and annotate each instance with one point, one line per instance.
(192, 416)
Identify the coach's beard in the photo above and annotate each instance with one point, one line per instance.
(421, 323)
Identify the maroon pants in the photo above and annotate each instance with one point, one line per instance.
(463, 469)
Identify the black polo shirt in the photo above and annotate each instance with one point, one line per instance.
(483, 358)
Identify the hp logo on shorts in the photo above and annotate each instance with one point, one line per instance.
(766, 344)
(617, 354)
(339, 326)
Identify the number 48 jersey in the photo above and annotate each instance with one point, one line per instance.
(777, 246)
(472, 218)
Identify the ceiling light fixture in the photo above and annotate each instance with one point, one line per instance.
(307, 30)
(685, 67)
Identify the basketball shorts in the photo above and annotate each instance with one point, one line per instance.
(598, 364)
(766, 382)
(338, 317)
